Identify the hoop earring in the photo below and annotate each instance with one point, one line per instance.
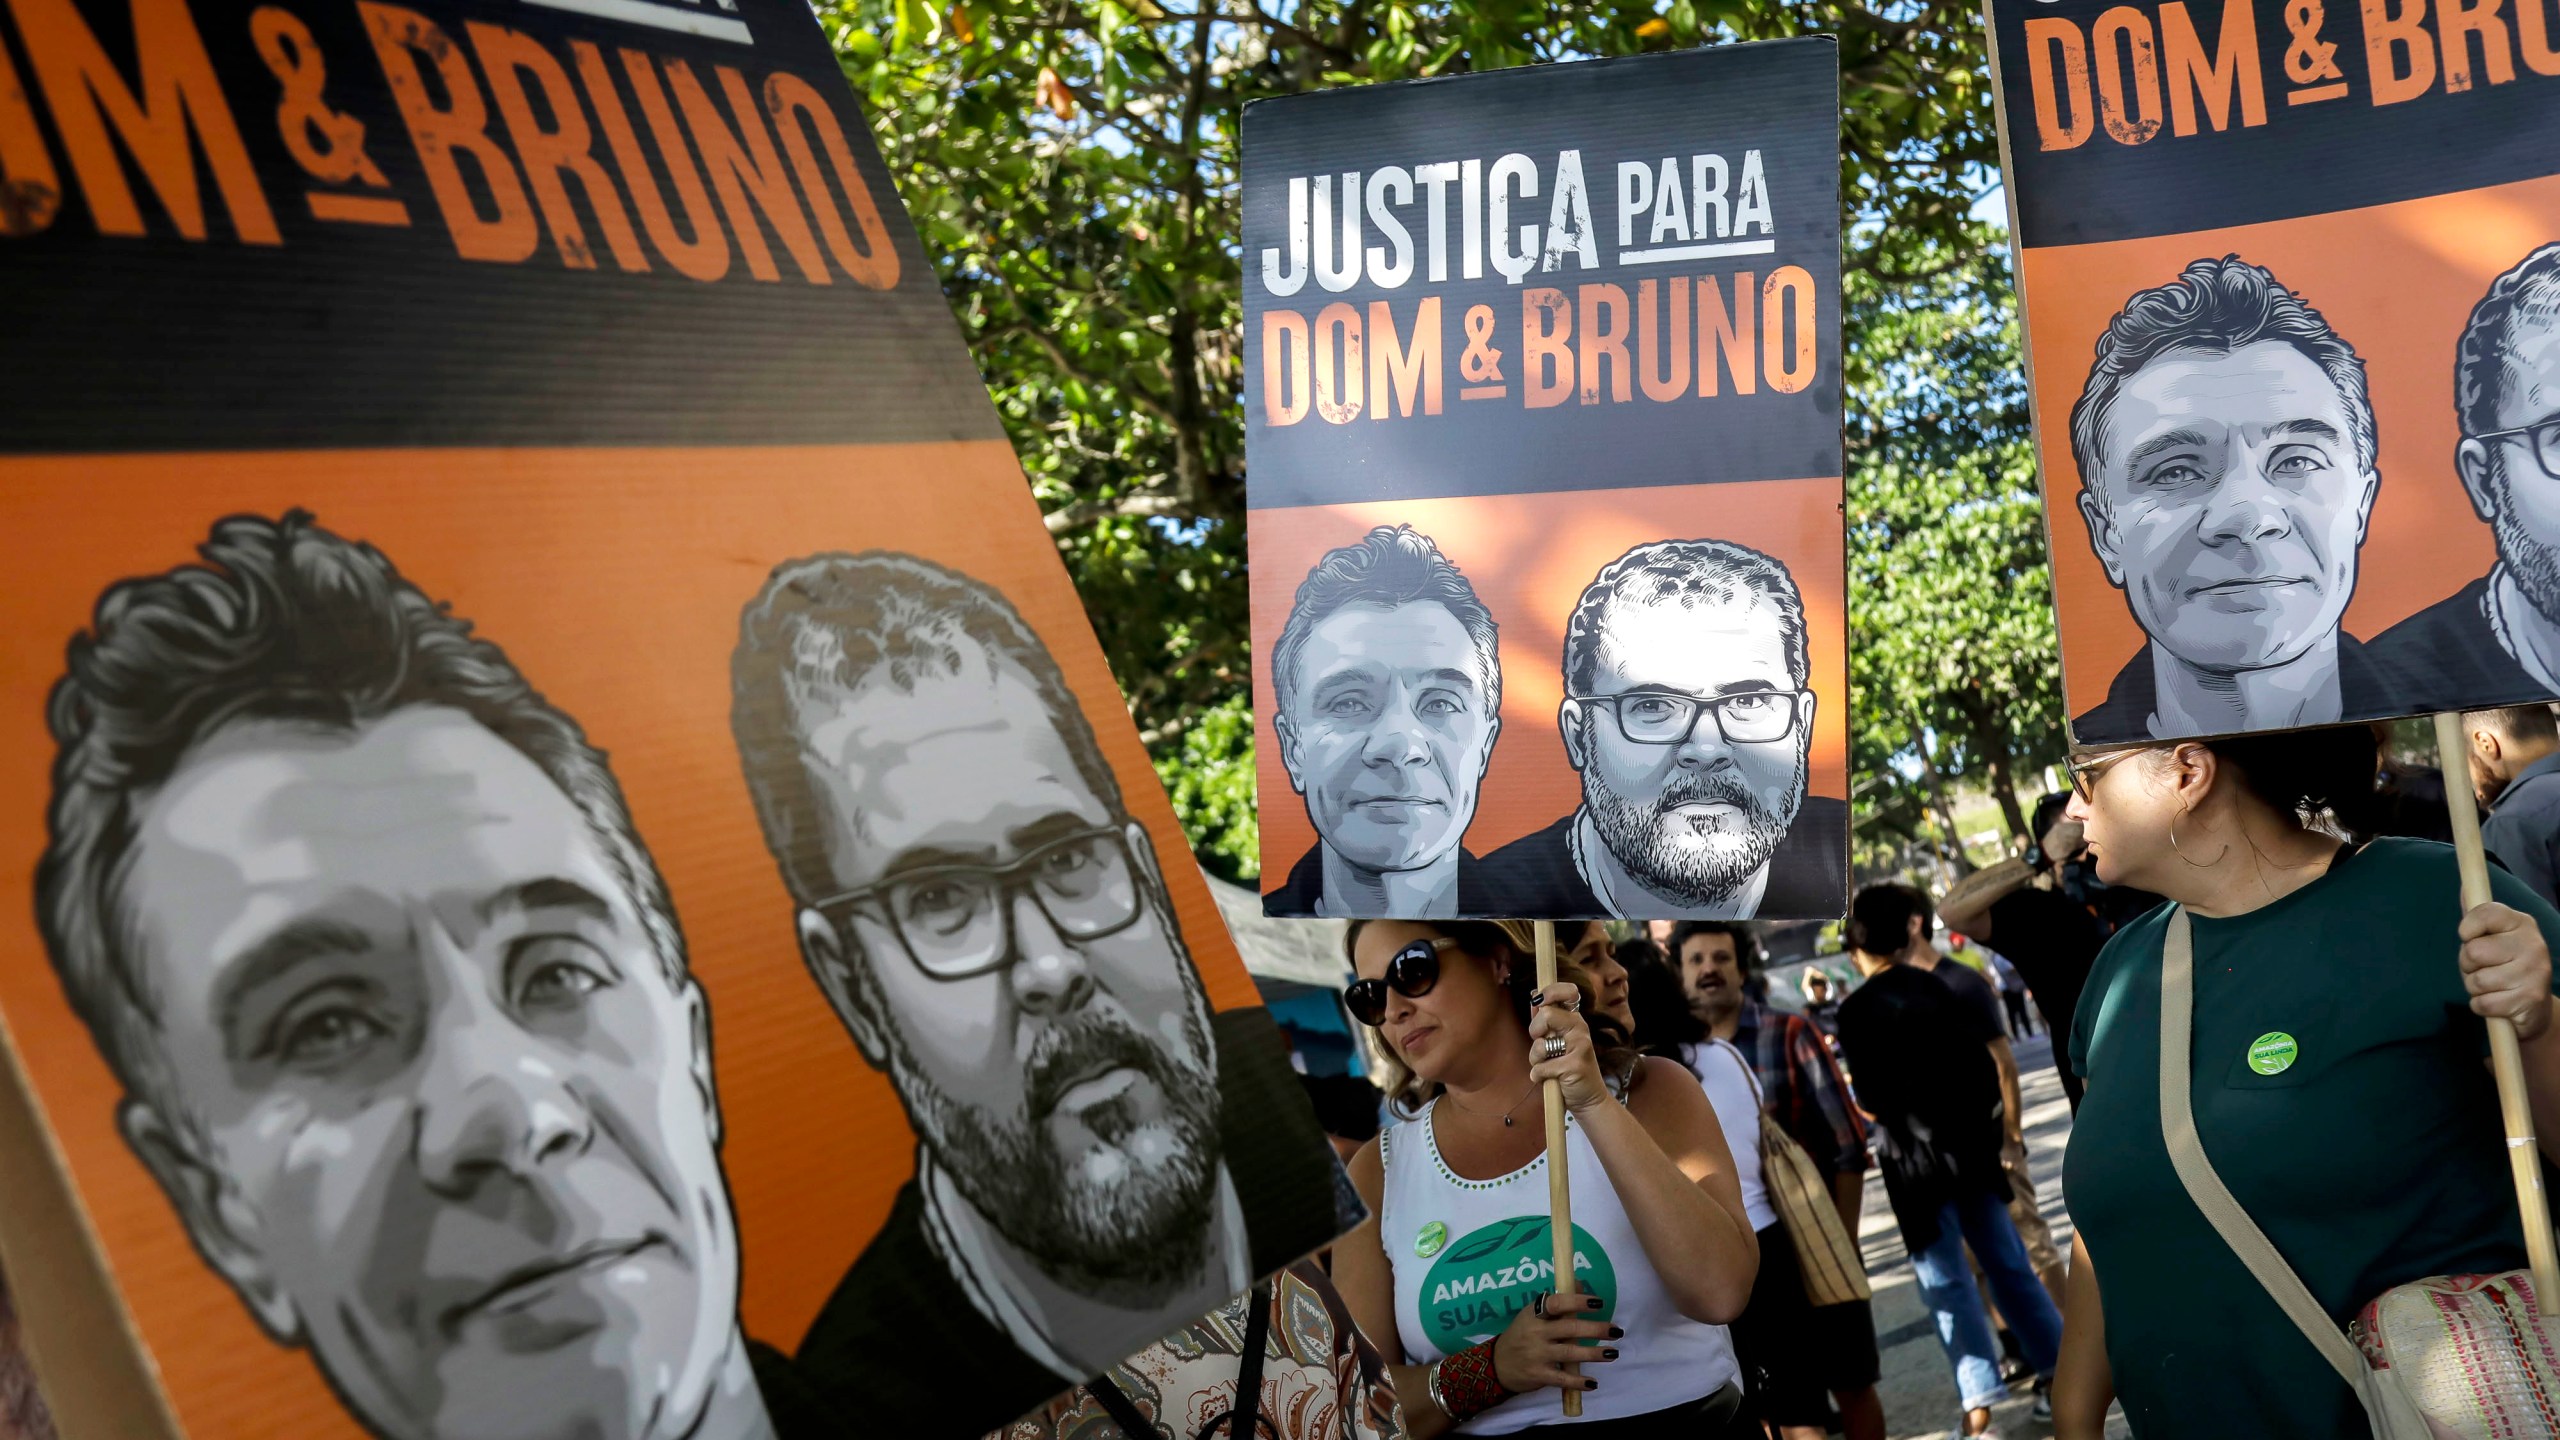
(2181, 854)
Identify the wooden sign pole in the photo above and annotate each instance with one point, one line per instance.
(2452, 749)
(1559, 1193)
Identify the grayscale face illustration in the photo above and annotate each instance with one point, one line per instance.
(2230, 503)
(456, 1122)
(1387, 699)
(421, 1067)
(1692, 737)
(994, 932)
(1389, 731)
(2514, 478)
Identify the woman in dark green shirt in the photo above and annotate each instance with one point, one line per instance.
(2338, 1087)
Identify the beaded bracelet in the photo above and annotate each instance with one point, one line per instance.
(1468, 1384)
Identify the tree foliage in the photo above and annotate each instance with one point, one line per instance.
(1072, 165)
(1951, 649)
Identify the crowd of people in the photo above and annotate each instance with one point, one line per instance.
(2368, 1151)
(2254, 883)
(1712, 1327)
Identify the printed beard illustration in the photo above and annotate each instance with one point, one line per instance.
(2497, 639)
(1688, 716)
(992, 929)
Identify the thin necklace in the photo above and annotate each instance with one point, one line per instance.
(1452, 1098)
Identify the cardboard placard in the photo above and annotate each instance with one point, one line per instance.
(1542, 397)
(578, 868)
(2291, 301)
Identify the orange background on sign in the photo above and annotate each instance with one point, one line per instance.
(614, 580)
(1529, 557)
(2395, 281)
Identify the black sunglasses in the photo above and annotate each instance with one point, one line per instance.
(1411, 972)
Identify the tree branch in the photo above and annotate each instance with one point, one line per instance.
(1059, 357)
(1154, 499)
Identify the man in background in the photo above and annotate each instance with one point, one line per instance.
(1802, 1091)
(1977, 995)
(1925, 1071)
(1800, 1084)
(2408, 797)
(2515, 770)
(2013, 994)
(1821, 1007)
(2048, 913)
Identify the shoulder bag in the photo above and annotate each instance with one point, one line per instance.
(1834, 1272)
(2450, 1357)
(1243, 1421)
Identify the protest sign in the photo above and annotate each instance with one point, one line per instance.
(1542, 400)
(2293, 325)
(577, 866)
(2291, 299)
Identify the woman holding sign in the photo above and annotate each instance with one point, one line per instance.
(1453, 1274)
(2336, 1079)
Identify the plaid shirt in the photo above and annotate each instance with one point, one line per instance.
(1804, 1088)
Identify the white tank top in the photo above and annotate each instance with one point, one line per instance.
(1735, 1092)
(1469, 1254)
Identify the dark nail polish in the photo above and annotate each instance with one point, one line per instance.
(1617, 1334)
(1590, 1384)
(1608, 1354)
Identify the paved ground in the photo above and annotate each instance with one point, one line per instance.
(1919, 1387)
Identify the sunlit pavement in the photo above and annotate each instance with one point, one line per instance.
(1919, 1386)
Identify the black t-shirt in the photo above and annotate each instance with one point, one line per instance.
(2053, 940)
(1973, 990)
(1919, 1055)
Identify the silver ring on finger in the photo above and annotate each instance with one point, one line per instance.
(1555, 1046)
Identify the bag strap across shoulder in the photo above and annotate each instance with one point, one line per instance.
(1750, 1073)
(1244, 1422)
(2204, 1186)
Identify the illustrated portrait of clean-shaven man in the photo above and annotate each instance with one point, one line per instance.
(1099, 1158)
(2496, 641)
(1688, 714)
(399, 1006)
(1387, 697)
(2226, 451)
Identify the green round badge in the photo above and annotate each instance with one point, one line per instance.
(1490, 1274)
(2273, 1053)
(1432, 1237)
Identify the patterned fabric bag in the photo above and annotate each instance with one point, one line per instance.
(2450, 1357)
(22, 1412)
(1834, 1272)
(1313, 1376)
(2469, 1352)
